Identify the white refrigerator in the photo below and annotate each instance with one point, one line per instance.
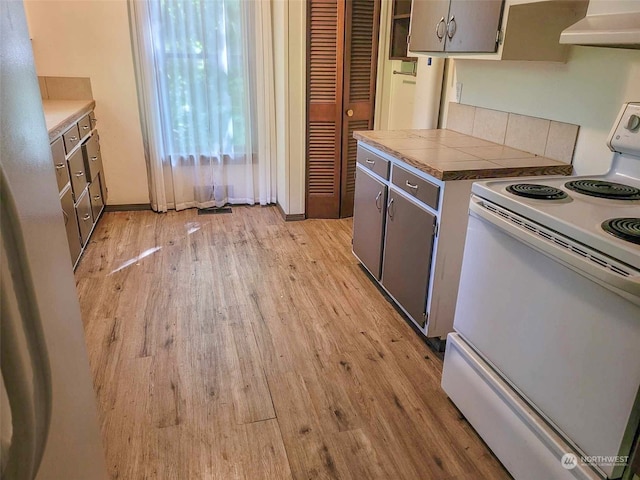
(48, 418)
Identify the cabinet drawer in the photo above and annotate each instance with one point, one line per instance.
(92, 156)
(373, 162)
(417, 187)
(71, 225)
(85, 217)
(84, 126)
(60, 164)
(95, 195)
(71, 138)
(77, 173)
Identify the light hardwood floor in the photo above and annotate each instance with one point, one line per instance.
(240, 346)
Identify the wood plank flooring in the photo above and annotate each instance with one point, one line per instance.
(238, 346)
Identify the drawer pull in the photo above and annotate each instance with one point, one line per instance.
(73, 138)
(59, 166)
(86, 217)
(96, 197)
(93, 159)
(79, 174)
(86, 127)
(415, 187)
(370, 162)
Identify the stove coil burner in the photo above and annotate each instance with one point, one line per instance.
(533, 190)
(598, 188)
(625, 228)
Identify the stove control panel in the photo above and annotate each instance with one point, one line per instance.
(625, 135)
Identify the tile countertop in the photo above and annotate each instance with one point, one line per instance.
(449, 155)
(61, 114)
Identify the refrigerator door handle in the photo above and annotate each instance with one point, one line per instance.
(25, 364)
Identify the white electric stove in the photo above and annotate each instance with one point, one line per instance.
(545, 358)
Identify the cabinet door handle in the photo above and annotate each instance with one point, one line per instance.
(378, 206)
(389, 208)
(59, 166)
(79, 174)
(443, 24)
(66, 217)
(415, 187)
(86, 217)
(451, 27)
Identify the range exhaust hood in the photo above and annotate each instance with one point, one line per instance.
(609, 23)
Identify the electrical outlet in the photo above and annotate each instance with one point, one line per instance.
(458, 92)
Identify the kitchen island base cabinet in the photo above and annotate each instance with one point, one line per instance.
(408, 247)
(368, 220)
(428, 185)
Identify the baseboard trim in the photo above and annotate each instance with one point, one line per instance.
(127, 207)
(288, 217)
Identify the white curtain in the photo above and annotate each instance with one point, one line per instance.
(204, 71)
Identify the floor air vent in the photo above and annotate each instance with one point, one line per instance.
(214, 210)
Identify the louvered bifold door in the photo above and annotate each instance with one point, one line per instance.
(325, 49)
(362, 21)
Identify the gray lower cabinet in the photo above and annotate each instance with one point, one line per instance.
(60, 164)
(78, 175)
(78, 165)
(92, 156)
(71, 224)
(95, 195)
(408, 245)
(368, 220)
(85, 216)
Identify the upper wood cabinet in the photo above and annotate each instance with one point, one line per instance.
(493, 29)
(428, 25)
(455, 25)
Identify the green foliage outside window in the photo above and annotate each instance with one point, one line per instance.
(203, 70)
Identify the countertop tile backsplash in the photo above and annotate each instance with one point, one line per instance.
(561, 141)
(65, 88)
(490, 125)
(538, 136)
(462, 117)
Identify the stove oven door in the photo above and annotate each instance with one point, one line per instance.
(561, 328)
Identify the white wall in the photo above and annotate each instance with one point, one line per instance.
(404, 101)
(588, 91)
(290, 38)
(85, 38)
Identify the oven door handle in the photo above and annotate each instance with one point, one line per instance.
(626, 286)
